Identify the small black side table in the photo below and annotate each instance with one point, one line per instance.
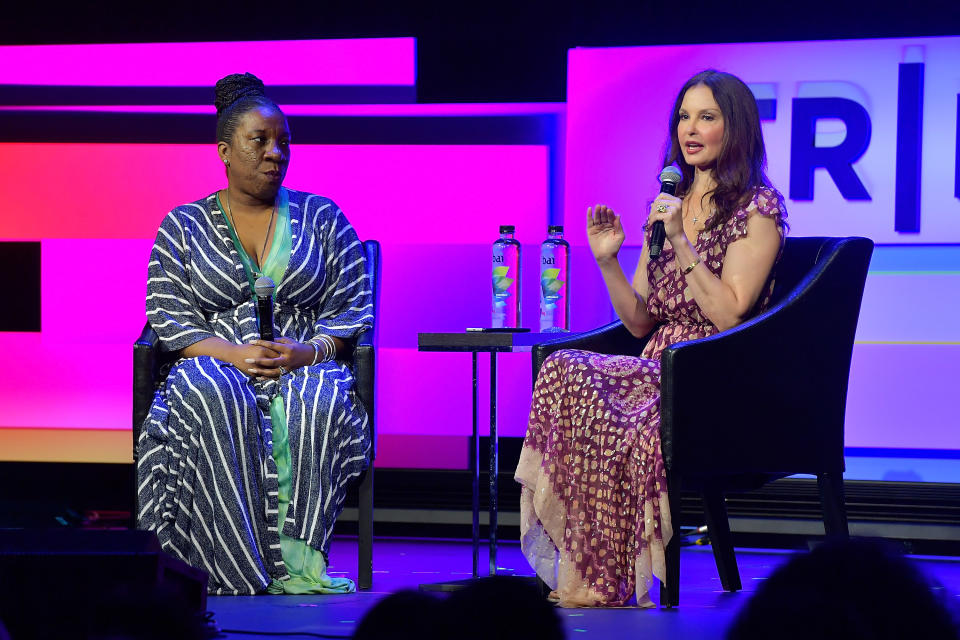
(494, 343)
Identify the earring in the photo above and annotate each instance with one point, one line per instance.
(226, 162)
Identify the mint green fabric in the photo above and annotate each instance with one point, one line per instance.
(307, 566)
(275, 264)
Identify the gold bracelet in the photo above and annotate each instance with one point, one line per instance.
(691, 267)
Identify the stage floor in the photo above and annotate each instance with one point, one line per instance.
(705, 609)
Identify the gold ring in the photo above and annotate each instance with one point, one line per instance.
(661, 208)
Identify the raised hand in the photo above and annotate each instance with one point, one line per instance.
(604, 233)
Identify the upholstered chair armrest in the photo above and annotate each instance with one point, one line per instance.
(364, 367)
(730, 401)
(779, 380)
(612, 339)
(144, 375)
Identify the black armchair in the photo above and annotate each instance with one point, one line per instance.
(151, 363)
(776, 397)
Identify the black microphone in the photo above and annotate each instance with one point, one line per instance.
(264, 288)
(669, 179)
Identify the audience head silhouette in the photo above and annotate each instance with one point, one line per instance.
(496, 608)
(404, 615)
(502, 607)
(849, 590)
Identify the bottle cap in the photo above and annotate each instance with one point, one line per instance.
(507, 228)
(555, 228)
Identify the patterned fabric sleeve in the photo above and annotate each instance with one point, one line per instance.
(347, 304)
(766, 202)
(172, 307)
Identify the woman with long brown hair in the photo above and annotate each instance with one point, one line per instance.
(594, 512)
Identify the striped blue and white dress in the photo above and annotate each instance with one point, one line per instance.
(207, 479)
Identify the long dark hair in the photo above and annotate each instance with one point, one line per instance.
(739, 170)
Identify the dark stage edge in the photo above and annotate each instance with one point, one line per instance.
(705, 610)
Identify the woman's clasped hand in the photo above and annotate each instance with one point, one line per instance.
(267, 359)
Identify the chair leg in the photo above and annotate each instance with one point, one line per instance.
(718, 527)
(132, 483)
(834, 505)
(365, 524)
(670, 591)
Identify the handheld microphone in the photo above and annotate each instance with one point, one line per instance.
(264, 289)
(669, 180)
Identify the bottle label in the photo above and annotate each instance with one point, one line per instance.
(501, 283)
(551, 286)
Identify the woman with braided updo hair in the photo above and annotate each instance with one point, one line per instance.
(249, 444)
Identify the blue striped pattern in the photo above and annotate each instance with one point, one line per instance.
(207, 478)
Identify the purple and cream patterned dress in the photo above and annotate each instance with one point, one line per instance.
(594, 514)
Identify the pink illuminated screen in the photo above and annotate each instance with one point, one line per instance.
(405, 194)
(433, 208)
(95, 209)
(369, 61)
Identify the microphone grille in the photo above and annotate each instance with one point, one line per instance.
(264, 286)
(670, 175)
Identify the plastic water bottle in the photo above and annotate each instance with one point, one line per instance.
(554, 285)
(506, 279)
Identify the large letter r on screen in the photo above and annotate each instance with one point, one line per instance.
(805, 156)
